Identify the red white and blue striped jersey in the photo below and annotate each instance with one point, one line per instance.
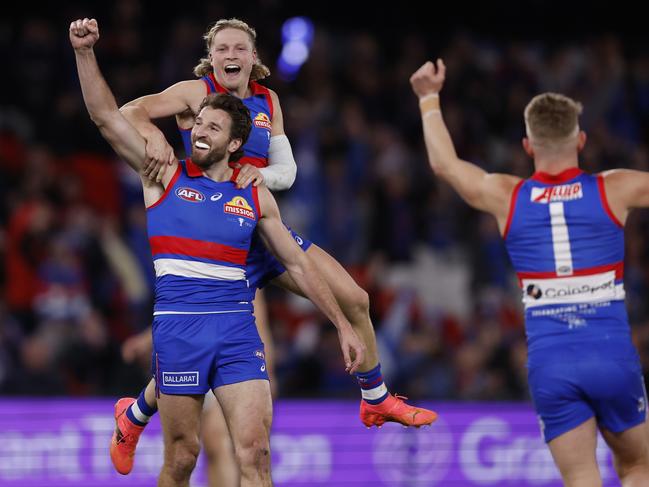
(260, 105)
(200, 232)
(567, 248)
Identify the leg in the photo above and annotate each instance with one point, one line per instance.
(351, 298)
(630, 454)
(377, 406)
(248, 411)
(131, 417)
(574, 455)
(180, 417)
(222, 468)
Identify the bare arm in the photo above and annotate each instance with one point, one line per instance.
(626, 189)
(98, 98)
(481, 190)
(178, 98)
(306, 276)
(183, 98)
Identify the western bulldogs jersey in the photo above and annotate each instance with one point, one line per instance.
(200, 232)
(262, 266)
(260, 105)
(567, 248)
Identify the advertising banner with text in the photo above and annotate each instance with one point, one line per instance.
(52, 443)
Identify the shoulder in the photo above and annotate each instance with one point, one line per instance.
(273, 96)
(267, 203)
(503, 183)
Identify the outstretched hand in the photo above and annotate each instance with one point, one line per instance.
(428, 79)
(84, 33)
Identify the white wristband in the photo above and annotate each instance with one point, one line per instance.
(428, 97)
(430, 113)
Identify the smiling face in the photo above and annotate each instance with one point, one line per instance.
(211, 137)
(232, 54)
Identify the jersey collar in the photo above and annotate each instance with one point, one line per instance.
(562, 177)
(193, 171)
(255, 88)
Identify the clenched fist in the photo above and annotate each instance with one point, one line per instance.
(84, 33)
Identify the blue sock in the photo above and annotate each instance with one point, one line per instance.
(372, 386)
(139, 413)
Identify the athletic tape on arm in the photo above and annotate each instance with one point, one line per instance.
(281, 170)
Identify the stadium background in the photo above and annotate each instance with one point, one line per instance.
(75, 272)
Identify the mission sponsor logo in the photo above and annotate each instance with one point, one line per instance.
(563, 192)
(239, 206)
(191, 195)
(262, 121)
(177, 379)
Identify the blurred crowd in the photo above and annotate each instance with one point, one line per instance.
(76, 277)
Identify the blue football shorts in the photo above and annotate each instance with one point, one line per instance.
(195, 353)
(262, 266)
(566, 394)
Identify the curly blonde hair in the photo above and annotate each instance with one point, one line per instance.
(204, 66)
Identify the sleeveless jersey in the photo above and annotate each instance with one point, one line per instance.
(567, 248)
(260, 105)
(200, 233)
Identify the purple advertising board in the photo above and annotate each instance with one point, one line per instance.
(65, 443)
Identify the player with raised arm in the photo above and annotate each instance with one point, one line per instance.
(564, 232)
(232, 66)
(204, 333)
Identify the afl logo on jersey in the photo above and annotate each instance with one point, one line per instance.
(239, 206)
(191, 195)
(262, 121)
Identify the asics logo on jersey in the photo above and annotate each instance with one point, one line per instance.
(563, 192)
(216, 196)
(191, 195)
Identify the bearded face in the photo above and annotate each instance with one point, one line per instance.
(210, 137)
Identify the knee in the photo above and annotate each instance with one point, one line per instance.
(631, 467)
(357, 304)
(254, 455)
(181, 459)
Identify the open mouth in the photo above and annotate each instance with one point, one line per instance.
(201, 145)
(232, 69)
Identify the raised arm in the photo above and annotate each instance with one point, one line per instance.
(98, 98)
(306, 275)
(626, 189)
(182, 98)
(481, 190)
